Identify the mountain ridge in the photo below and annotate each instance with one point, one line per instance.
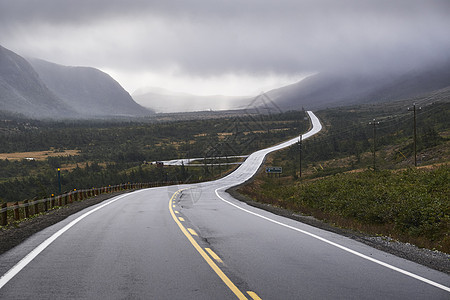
(89, 91)
(43, 90)
(330, 89)
(22, 91)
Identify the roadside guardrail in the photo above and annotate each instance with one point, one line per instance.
(10, 212)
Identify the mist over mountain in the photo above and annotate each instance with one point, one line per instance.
(321, 90)
(40, 89)
(329, 89)
(164, 101)
(89, 91)
(22, 91)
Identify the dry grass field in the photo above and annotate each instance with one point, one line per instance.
(37, 155)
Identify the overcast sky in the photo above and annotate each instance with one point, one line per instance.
(231, 47)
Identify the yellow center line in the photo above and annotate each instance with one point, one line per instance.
(214, 255)
(181, 219)
(205, 256)
(192, 231)
(253, 295)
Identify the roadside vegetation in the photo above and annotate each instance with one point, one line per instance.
(339, 185)
(410, 205)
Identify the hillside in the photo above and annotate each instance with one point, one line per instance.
(40, 89)
(343, 184)
(22, 91)
(89, 91)
(333, 89)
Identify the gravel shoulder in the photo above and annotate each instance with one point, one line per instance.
(433, 259)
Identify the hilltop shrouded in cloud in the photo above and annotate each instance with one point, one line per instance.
(188, 45)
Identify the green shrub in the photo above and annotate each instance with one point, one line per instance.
(415, 202)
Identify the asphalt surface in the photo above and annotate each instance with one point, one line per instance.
(197, 242)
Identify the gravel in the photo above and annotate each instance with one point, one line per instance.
(433, 259)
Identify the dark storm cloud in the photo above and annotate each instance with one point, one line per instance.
(207, 38)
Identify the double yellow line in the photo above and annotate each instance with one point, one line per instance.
(205, 256)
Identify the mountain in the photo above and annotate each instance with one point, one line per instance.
(165, 101)
(336, 89)
(22, 91)
(40, 89)
(89, 91)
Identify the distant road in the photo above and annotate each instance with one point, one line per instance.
(197, 242)
(189, 161)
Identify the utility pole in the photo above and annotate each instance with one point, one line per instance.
(374, 123)
(59, 180)
(300, 141)
(415, 134)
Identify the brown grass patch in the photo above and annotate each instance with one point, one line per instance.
(37, 155)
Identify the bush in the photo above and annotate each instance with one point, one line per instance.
(414, 202)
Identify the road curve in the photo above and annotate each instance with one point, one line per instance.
(197, 242)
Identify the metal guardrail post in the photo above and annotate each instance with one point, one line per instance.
(4, 214)
(16, 212)
(36, 208)
(27, 209)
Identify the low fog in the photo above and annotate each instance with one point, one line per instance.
(186, 46)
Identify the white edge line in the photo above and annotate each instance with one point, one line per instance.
(443, 287)
(36, 251)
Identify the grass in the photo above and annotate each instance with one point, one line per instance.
(411, 205)
(38, 155)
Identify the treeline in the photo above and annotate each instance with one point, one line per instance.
(118, 152)
(132, 141)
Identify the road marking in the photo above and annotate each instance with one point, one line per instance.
(181, 219)
(36, 251)
(205, 256)
(253, 295)
(214, 255)
(177, 212)
(192, 231)
(438, 285)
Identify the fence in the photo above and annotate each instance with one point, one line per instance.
(25, 209)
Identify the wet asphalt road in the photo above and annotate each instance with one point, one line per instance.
(197, 242)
